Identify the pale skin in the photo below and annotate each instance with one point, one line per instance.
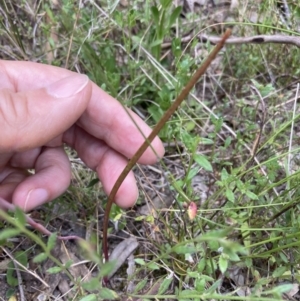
(42, 107)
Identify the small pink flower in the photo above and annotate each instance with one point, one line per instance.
(192, 210)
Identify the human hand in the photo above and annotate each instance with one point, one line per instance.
(42, 107)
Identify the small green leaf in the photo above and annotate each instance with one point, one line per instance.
(230, 195)
(20, 216)
(279, 272)
(155, 14)
(156, 43)
(186, 249)
(54, 270)
(140, 261)
(192, 173)
(8, 233)
(188, 294)
(203, 162)
(248, 262)
(140, 286)
(213, 287)
(223, 263)
(165, 3)
(246, 234)
(189, 126)
(192, 274)
(107, 294)
(175, 14)
(251, 195)
(207, 278)
(213, 244)
(165, 285)
(200, 285)
(201, 265)
(283, 288)
(153, 266)
(51, 241)
(40, 257)
(106, 268)
(213, 236)
(10, 279)
(224, 175)
(227, 141)
(91, 297)
(233, 256)
(10, 293)
(91, 285)
(68, 264)
(20, 257)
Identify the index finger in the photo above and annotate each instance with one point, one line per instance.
(104, 118)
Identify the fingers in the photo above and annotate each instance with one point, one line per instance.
(33, 118)
(109, 171)
(40, 103)
(119, 127)
(52, 178)
(10, 178)
(25, 160)
(104, 118)
(108, 164)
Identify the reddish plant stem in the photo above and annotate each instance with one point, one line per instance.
(184, 93)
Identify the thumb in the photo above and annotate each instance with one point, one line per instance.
(32, 118)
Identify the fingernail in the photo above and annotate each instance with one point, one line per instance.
(68, 86)
(36, 197)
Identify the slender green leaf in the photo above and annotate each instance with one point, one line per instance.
(175, 14)
(20, 216)
(106, 268)
(251, 195)
(201, 265)
(91, 285)
(200, 285)
(187, 293)
(279, 271)
(165, 285)
(108, 294)
(140, 261)
(54, 270)
(155, 15)
(20, 257)
(140, 285)
(185, 249)
(281, 289)
(203, 162)
(156, 43)
(8, 233)
(40, 257)
(230, 195)
(51, 241)
(165, 3)
(91, 297)
(223, 263)
(153, 266)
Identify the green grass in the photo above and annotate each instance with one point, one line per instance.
(247, 196)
